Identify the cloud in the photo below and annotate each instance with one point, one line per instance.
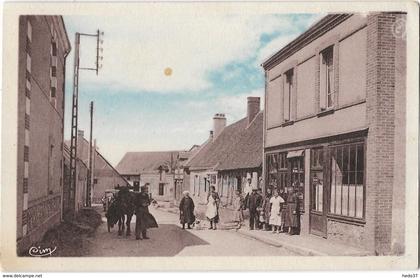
(137, 50)
(273, 46)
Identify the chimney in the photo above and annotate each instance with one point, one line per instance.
(219, 123)
(253, 108)
(81, 133)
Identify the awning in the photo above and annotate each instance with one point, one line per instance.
(295, 153)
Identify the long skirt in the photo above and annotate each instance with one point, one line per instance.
(291, 215)
(275, 219)
(212, 213)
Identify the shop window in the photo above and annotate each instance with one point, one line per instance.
(298, 179)
(277, 165)
(288, 92)
(326, 78)
(347, 180)
(161, 189)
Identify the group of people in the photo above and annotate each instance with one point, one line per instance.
(277, 211)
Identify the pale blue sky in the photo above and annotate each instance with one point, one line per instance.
(215, 62)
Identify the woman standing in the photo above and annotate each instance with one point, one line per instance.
(275, 218)
(186, 210)
(267, 210)
(238, 205)
(292, 210)
(212, 212)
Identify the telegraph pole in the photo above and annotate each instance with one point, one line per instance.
(74, 112)
(90, 170)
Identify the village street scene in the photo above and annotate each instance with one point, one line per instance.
(238, 135)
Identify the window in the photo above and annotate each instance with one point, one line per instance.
(277, 165)
(53, 71)
(28, 63)
(288, 93)
(54, 49)
(95, 181)
(326, 78)
(161, 189)
(52, 92)
(29, 31)
(347, 180)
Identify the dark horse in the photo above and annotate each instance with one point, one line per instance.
(122, 206)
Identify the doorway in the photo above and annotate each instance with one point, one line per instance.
(318, 193)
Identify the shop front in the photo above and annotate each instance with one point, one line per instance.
(329, 177)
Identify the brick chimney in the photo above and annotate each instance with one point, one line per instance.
(253, 108)
(219, 123)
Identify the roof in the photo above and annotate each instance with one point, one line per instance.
(318, 29)
(101, 164)
(141, 162)
(239, 146)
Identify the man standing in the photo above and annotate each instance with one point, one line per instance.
(144, 219)
(254, 201)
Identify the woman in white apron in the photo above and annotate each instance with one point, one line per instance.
(275, 216)
(212, 212)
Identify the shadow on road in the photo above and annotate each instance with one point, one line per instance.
(167, 240)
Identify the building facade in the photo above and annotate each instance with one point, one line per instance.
(43, 48)
(155, 168)
(230, 156)
(335, 129)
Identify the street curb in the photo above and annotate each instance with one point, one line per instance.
(300, 250)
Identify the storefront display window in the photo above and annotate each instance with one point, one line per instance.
(347, 180)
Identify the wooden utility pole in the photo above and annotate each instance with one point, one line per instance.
(90, 170)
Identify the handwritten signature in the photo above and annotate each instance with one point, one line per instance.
(41, 252)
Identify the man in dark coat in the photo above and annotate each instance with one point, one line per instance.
(186, 210)
(254, 202)
(144, 219)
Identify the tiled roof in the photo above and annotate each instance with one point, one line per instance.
(140, 162)
(239, 146)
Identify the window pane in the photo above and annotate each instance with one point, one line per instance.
(359, 201)
(360, 157)
(344, 204)
(352, 161)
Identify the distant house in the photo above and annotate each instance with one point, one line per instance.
(155, 168)
(231, 155)
(105, 176)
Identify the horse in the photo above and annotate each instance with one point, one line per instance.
(122, 206)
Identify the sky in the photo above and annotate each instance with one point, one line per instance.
(214, 63)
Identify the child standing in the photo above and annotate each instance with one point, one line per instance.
(238, 204)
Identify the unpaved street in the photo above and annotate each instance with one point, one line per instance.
(170, 240)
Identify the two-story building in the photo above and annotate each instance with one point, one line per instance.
(335, 128)
(43, 48)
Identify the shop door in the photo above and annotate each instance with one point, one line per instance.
(318, 194)
(297, 181)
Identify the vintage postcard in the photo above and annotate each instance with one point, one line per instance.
(210, 136)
